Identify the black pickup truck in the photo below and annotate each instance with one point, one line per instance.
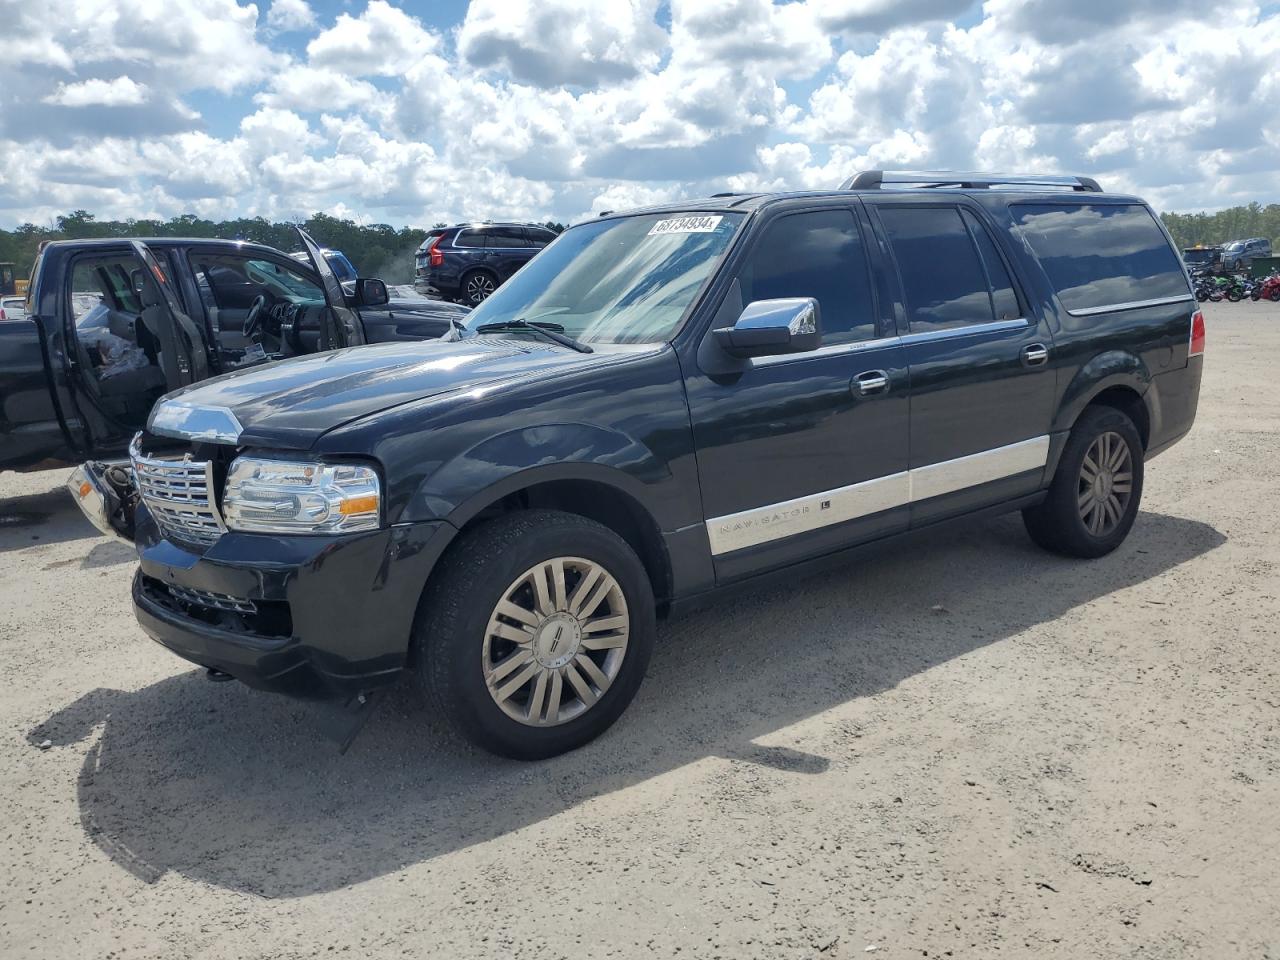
(660, 405)
(113, 324)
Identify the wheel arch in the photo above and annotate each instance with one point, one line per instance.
(1117, 378)
(605, 494)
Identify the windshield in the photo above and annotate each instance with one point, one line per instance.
(1233, 247)
(1197, 256)
(624, 280)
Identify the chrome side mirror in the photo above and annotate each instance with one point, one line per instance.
(768, 328)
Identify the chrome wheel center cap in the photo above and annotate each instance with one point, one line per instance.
(1102, 486)
(557, 640)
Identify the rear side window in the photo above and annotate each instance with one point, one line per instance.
(104, 280)
(507, 237)
(943, 279)
(469, 238)
(815, 255)
(1101, 257)
(1003, 298)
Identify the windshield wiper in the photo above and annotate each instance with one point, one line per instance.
(549, 331)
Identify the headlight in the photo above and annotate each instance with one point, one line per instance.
(284, 496)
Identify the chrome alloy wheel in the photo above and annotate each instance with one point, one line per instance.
(479, 287)
(1106, 483)
(556, 641)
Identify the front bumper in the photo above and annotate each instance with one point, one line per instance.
(313, 617)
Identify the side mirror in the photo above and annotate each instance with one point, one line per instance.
(371, 293)
(768, 328)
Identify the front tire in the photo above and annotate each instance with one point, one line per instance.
(535, 633)
(1096, 491)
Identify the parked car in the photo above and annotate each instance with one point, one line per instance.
(13, 308)
(1240, 253)
(114, 324)
(469, 261)
(668, 403)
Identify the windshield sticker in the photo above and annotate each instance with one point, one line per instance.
(685, 225)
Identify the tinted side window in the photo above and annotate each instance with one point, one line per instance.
(817, 255)
(1101, 255)
(469, 238)
(1003, 297)
(539, 238)
(507, 237)
(942, 277)
(104, 279)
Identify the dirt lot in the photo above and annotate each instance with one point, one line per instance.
(960, 746)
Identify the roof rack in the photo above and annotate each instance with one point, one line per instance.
(876, 179)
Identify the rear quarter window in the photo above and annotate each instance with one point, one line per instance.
(1101, 256)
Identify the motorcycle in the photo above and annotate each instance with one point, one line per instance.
(1268, 287)
(1207, 288)
(1235, 288)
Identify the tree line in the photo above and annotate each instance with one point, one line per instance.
(1234, 223)
(377, 250)
(380, 250)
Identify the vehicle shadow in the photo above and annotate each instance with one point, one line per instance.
(50, 516)
(238, 789)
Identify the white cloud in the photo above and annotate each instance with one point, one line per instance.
(382, 40)
(564, 108)
(557, 42)
(99, 93)
(286, 15)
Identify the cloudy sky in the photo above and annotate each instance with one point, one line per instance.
(409, 113)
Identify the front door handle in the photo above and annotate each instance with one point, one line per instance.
(1035, 355)
(872, 381)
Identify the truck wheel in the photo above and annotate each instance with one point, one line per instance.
(1095, 493)
(477, 287)
(536, 632)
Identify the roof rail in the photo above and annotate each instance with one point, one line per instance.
(876, 179)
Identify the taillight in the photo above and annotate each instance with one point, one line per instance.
(434, 253)
(1197, 336)
(2, 316)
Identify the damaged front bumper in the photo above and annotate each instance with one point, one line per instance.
(106, 494)
(319, 617)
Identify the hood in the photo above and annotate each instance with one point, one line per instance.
(291, 403)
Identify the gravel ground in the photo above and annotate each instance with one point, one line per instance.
(959, 746)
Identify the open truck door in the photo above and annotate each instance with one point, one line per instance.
(341, 326)
(106, 491)
(184, 351)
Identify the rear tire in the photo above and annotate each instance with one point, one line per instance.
(477, 287)
(1096, 491)
(535, 633)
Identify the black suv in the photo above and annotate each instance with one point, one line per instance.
(470, 261)
(668, 402)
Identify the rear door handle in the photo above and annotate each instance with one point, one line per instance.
(1035, 355)
(872, 381)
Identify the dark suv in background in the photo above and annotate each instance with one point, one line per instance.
(469, 261)
(1239, 254)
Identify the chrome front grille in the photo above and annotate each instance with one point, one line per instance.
(179, 492)
(215, 601)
